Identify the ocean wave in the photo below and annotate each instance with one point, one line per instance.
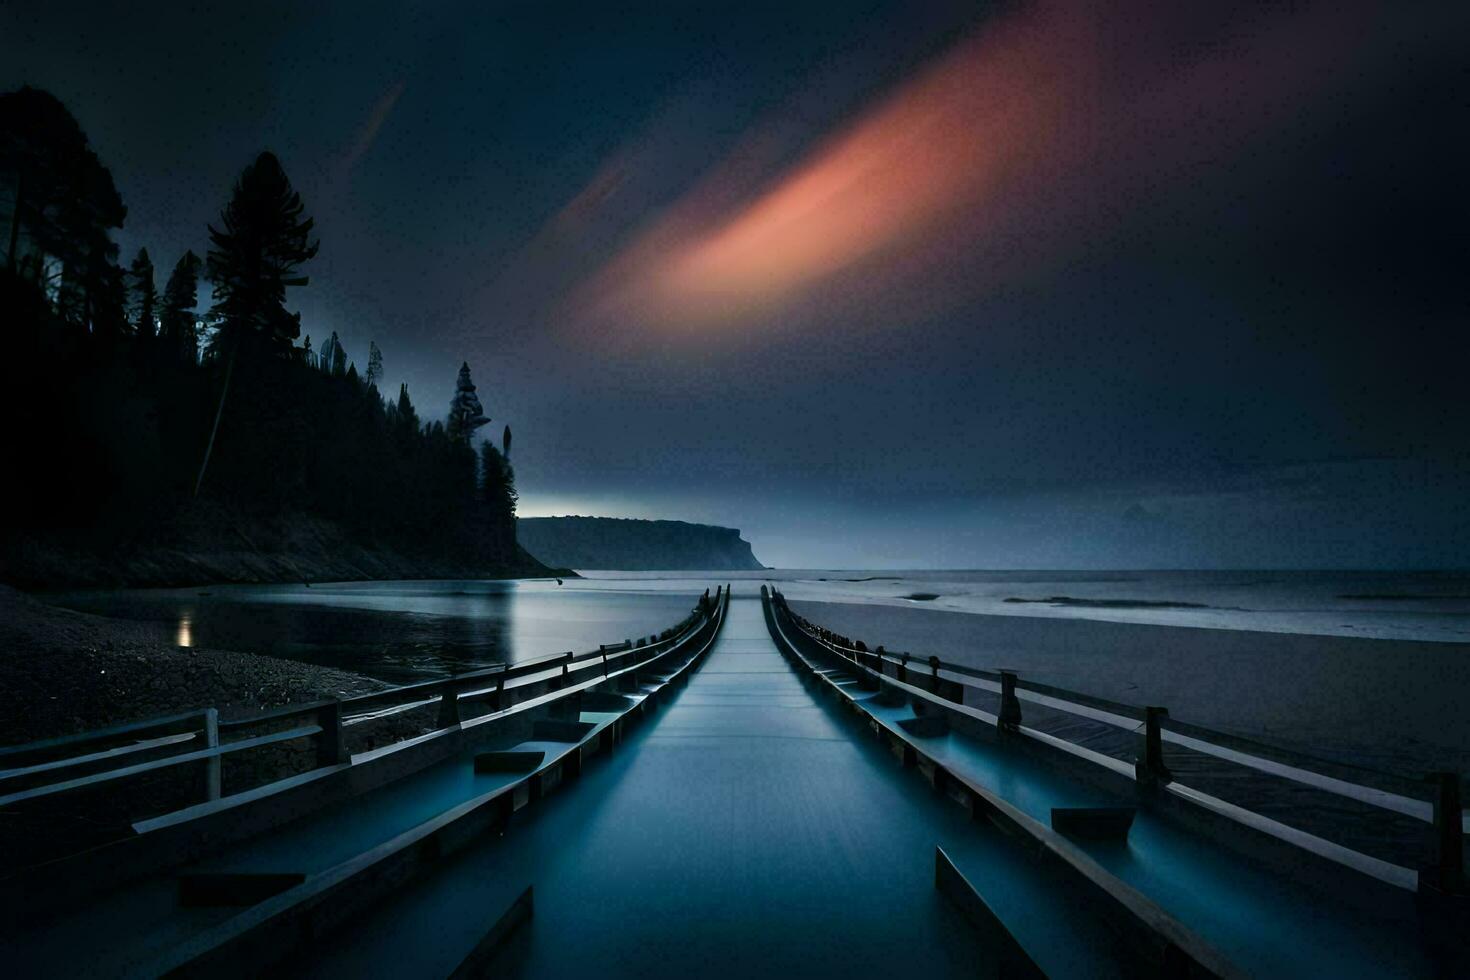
(1066, 600)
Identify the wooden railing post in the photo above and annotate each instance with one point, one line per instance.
(1151, 768)
(213, 765)
(330, 749)
(500, 694)
(903, 666)
(1009, 719)
(1445, 872)
(934, 675)
(449, 705)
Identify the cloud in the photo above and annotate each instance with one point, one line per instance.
(997, 158)
(368, 134)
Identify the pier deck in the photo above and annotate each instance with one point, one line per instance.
(745, 832)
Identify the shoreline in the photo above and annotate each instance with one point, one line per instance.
(64, 672)
(1387, 704)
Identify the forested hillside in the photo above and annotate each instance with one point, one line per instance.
(155, 442)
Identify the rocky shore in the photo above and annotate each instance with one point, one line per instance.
(63, 672)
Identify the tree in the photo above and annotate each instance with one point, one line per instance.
(178, 321)
(498, 486)
(63, 200)
(145, 303)
(257, 252)
(465, 412)
(375, 365)
(334, 357)
(505, 442)
(255, 256)
(407, 417)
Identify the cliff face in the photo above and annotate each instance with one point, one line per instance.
(634, 545)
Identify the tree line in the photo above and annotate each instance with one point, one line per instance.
(133, 409)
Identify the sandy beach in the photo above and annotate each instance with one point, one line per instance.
(1395, 705)
(63, 672)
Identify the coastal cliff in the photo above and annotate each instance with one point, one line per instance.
(634, 545)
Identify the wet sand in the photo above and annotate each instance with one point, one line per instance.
(1393, 705)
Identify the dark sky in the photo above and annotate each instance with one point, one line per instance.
(882, 284)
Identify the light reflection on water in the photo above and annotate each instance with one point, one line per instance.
(397, 631)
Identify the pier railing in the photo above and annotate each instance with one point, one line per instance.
(1434, 800)
(200, 741)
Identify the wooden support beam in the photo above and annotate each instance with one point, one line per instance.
(1014, 961)
(477, 963)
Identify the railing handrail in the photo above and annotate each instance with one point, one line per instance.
(163, 725)
(1395, 784)
(199, 721)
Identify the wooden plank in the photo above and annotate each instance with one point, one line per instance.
(205, 890)
(477, 963)
(1014, 961)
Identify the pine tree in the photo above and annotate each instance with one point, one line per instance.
(498, 491)
(255, 255)
(375, 365)
(336, 357)
(465, 412)
(505, 442)
(407, 417)
(145, 293)
(65, 204)
(177, 318)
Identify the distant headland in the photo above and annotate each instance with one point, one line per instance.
(634, 545)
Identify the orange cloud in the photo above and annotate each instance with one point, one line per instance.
(999, 155)
(368, 134)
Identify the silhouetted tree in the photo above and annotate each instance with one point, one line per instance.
(256, 255)
(375, 365)
(498, 485)
(64, 202)
(178, 320)
(407, 417)
(333, 357)
(145, 295)
(505, 442)
(465, 412)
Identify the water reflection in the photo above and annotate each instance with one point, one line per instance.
(396, 631)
